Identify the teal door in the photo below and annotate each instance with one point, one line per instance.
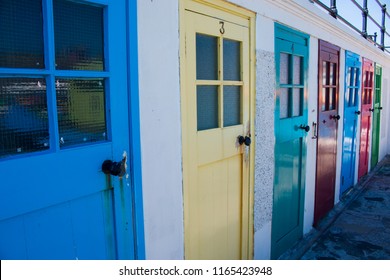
(291, 58)
(376, 118)
(63, 112)
(351, 116)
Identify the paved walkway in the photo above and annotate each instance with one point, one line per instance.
(358, 228)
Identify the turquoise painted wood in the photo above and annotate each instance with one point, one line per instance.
(351, 116)
(376, 118)
(291, 58)
(57, 203)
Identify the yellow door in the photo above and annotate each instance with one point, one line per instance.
(215, 113)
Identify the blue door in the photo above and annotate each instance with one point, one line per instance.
(351, 115)
(63, 112)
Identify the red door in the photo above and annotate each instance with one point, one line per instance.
(366, 111)
(328, 117)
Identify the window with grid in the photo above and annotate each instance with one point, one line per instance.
(53, 75)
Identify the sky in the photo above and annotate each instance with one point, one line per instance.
(350, 12)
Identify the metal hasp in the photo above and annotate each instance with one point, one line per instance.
(244, 140)
(304, 127)
(114, 168)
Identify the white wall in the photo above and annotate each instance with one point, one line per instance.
(159, 89)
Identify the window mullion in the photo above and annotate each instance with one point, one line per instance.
(48, 27)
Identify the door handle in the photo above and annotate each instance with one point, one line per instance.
(114, 168)
(335, 117)
(371, 110)
(244, 140)
(380, 108)
(357, 112)
(304, 127)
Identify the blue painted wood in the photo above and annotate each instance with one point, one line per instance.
(352, 65)
(58, 204)
(135, 142)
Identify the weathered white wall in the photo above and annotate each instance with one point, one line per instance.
(159, 89)
(158, 26)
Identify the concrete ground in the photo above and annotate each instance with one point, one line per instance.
(358, 228)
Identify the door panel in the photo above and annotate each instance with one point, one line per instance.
(215, 112)
(351, 115)
(366, 109)
(291, 56)
(328, 92)
(56, 203)
(376, 121)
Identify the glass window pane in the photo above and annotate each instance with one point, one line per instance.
(81, 111)
(369, 96)
(332, 99)
(284, 104)
(284, 66)
(324, 97)
(350, 76)
(354, 102)
(206, 57)
(357, 73)
(23, 116)
(297, 68)
(365, 79)
(78, 32)
(332, 74)
(21, 34)
(207, 107)
(297, 99)
(351, 97)
(231, 60)
(325, 75)
(370, 79)
(231, 105)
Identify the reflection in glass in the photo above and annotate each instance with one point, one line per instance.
(206, 57)
(284, 104)
(207, 107)
(284, 66)
(21, 34)
(325, 74)
(349, 97)
(231, 105)
(324, 96)
(231, 60)
(79, 36)
(331, 99)
(23, 116)
(81, 111)
(354, 102)
(350, 76)
(297, 99)
(297, 69)
(332, 76)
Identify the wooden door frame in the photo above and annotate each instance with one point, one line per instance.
(232, 11)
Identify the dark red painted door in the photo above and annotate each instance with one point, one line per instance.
(366, 111)
(328, 92)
